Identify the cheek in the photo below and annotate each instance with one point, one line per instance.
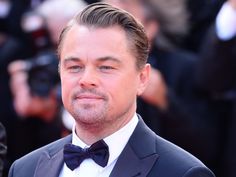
(125, 87)
(66, 87)
(64, 93)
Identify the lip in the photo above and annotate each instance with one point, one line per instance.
(88, 97)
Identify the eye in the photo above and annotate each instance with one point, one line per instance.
(74, 68)
(106, 67)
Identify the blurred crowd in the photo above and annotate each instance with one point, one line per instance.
(191, 96)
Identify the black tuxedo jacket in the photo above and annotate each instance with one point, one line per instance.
(145, 154)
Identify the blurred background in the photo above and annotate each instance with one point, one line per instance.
(191, 97)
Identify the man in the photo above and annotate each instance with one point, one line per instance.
(103, 53)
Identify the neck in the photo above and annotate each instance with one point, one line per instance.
(91, 133)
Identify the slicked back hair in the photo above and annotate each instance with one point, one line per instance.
(103, 15)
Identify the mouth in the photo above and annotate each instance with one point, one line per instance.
(88, 97)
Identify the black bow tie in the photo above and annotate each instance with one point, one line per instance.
(74, 155)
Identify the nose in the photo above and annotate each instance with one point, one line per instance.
(88, 78)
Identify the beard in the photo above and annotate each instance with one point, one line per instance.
(89, 112)
(99, 113)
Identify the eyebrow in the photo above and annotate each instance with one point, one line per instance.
(71, 59)
(109, 58)
(101, 59)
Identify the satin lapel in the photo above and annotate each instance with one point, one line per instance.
(139, 155)
(49, 166)
(129, 165)
(51, 160)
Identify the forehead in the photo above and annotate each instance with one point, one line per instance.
(87, 33)
(95, 42)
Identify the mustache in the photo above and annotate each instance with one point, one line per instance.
(91, 92)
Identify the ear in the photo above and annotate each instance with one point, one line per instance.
(143, 79)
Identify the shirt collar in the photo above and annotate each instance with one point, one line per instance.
(116, 141)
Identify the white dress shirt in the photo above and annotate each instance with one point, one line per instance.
(116, 143)
(226, 22)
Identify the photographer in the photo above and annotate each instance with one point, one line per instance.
(34, 81)
(34, 93)
(33, 84)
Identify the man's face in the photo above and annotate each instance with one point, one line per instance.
(99, 78)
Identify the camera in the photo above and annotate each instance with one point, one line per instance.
(42, 68)
(42, 73)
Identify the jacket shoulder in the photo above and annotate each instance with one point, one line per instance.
(29, 161)
(178, 162)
